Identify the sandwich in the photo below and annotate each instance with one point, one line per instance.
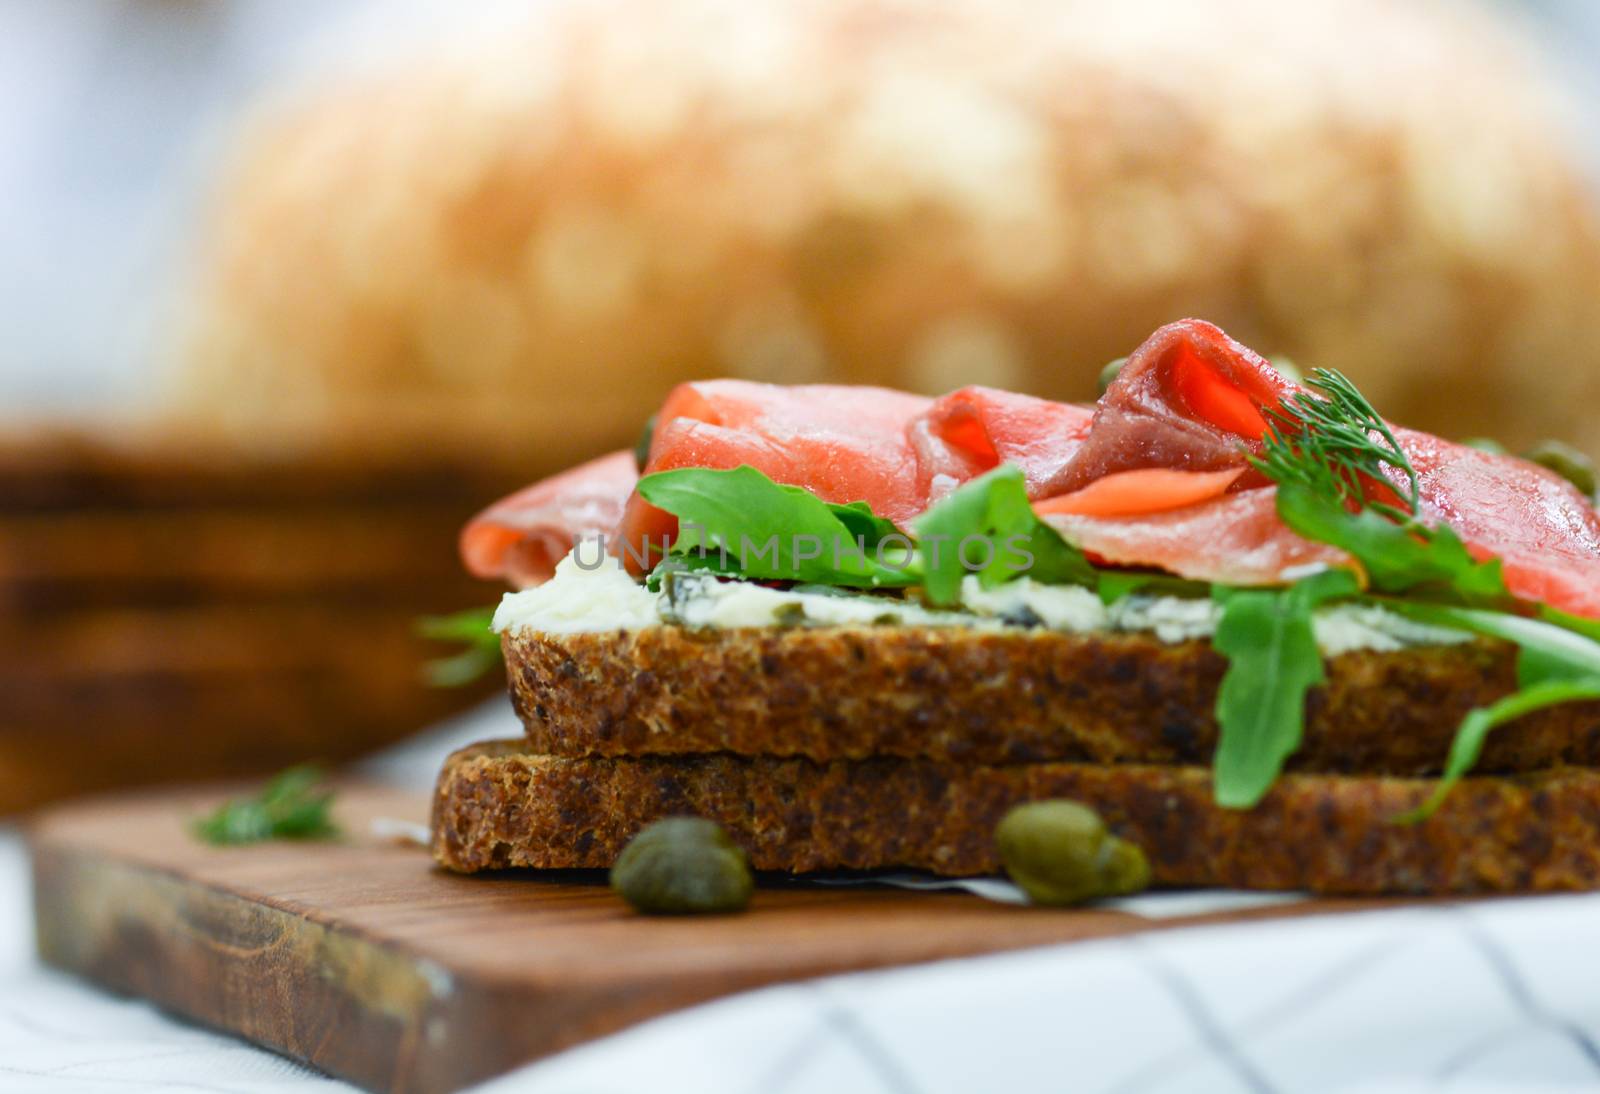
(1273, 639)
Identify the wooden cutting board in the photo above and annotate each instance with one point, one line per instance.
(361, 958)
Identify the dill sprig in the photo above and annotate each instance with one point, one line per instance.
(1332, 442)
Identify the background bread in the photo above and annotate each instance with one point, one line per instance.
(515, 242)
(164, 616)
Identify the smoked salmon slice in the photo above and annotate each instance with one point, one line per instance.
(520, 538)
(1190, 398)
(1544, 531)
(1157, 474)
(976, 429)
(844, 444)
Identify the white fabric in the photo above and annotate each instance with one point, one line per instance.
(1498, 996)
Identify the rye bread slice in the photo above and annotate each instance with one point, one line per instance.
(1022, 696)
(497, 805)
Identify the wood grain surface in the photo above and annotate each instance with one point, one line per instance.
(361, 958)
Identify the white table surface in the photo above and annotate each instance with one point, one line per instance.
(1492, 996)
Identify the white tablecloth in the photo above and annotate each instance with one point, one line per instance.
(1492, 996)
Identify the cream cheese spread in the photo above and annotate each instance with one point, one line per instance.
(602, 597)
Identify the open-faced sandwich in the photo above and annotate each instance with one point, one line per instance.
(1273, 640)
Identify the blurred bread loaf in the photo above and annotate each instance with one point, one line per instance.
(514, 242)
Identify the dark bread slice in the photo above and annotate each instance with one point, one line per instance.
(496, 805)
(1020, 696)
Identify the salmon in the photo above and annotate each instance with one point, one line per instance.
(520, 538)
(844, 444)
(1191, 399)
(1158, 474)
(976, 429)
(1544, 531)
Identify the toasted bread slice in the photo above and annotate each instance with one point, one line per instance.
(1020, 696)
(498, 805)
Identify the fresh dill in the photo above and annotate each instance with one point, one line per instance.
(1337, 464)
(1332, 442)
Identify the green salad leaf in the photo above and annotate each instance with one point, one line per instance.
(1545, 651)
(742, 523)
(1273, 660)
(480, 646)
(1555, 664)
(291, 806)
(757, 528)
(1399, 557)
(1113, 585)
(1467, 746)
(988, 527)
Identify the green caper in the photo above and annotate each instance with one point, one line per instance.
(1287, 368)
(1059, 852)
(1565, 461)
(1109, 373)
(1486, 444)
(791, 614)
(641, 447)
(683, 866)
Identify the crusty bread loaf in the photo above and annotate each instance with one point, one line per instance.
(513, 243)
(499, 806)
(985, 697)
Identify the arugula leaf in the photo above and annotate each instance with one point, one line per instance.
(1273, 660)
(1555, 664)
(1475, 727)
(741, 522)
(1113, 585)
(992, 510)
(859, 519)
(1397, 557)
(481, 652)
(762, 529)
(289, 807)
(1545, 651)
(1589, 628)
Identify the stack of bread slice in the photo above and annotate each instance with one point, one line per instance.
(848, 748)
(170, 613)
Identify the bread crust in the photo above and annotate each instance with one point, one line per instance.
(498, 806)
(1022, 696)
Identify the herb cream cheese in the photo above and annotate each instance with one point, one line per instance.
(605, 598)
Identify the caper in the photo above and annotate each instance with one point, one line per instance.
(1565, 461)
(1109, 373)
(1059, 852)
(1287, 368)
(789, 614)
(1486, 444)
(641, 447)
(683, 866)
